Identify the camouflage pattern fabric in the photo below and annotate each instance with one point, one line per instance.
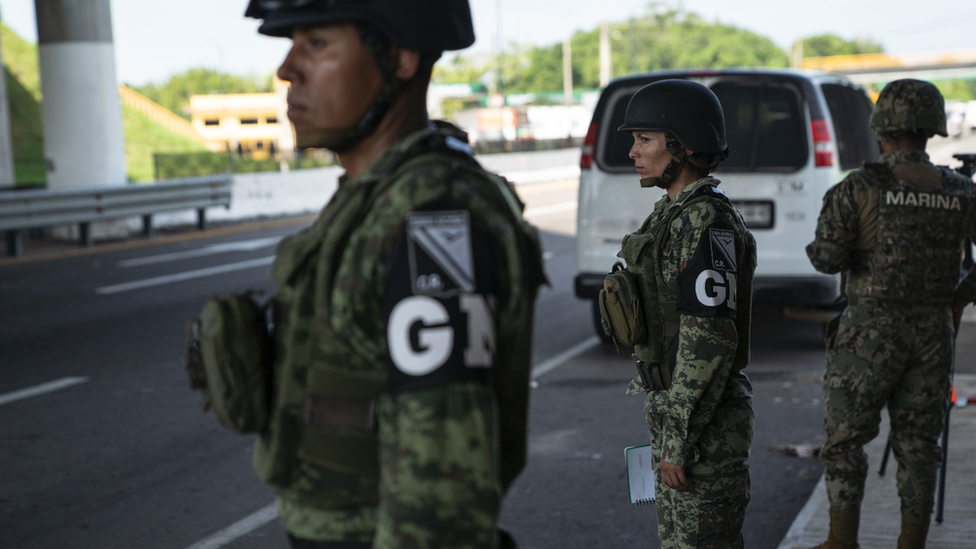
(909, 105)
(441, 456)
(705, 421)
(895, 352)
(899, 356)
(887, 225)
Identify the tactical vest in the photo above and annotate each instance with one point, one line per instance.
(916, 257)
(643, 251)
(321, 447)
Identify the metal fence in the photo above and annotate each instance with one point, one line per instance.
(26, 209)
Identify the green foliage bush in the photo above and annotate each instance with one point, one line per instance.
(664, 39)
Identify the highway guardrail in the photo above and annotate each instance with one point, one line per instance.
(21, 210)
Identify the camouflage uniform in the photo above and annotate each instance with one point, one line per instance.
(704, 421)
(895, 229)
(434, 359)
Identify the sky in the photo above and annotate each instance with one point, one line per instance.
(157, 38)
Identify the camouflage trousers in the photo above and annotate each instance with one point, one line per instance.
(710, 515)
(894, 355)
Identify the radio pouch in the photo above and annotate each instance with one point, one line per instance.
(620, 308)
(228, 358)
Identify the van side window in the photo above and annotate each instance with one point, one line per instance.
(765, 127)
(850, 110)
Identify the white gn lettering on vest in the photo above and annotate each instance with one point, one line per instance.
(712, 288)
(435, 337)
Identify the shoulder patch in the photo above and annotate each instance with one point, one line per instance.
(723, 248)
(440, 302)
(439, 244)
(708, 284)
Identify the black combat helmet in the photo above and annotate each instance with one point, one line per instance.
(429, 26)
(687, 110)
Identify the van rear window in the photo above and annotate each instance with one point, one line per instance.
(851, 110)
(764, 124)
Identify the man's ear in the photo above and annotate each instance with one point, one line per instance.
(407, 63)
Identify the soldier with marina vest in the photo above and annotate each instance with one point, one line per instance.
(895, 229)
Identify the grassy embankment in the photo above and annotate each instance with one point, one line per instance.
(143, 136)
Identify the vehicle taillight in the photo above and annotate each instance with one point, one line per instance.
(586, 159)
(822, 155)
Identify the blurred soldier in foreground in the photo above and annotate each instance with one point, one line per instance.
(693, 262)
(404, 314)
(895, 228)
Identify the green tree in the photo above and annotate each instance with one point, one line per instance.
(665, 39)
(175, 92)
(823, 45)
(961, 90)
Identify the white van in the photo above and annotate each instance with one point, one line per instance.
(970, 115)
(792, 135)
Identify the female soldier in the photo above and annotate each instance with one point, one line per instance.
(693, 261)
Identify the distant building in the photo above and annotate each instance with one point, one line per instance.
(253, 124)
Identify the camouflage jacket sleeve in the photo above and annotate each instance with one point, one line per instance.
(439, 462)
(832, 249)
(706, 341)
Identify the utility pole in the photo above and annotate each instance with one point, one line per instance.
(568, 68)
(796, 56)
(499, 84)
(605, 68)
(6, 149)
(633, 44)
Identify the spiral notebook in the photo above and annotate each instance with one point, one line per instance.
(640, 474)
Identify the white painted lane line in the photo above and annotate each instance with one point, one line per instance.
(818, 499)
(550, 209)
(239, 246)
(240, 528)
(41, 389)
(562, 358)
(188, 275)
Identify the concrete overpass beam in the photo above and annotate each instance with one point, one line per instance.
(82, 119)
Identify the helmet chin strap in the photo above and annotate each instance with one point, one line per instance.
(345, 140)
(705, 162)
(677, 153)
(341, 141)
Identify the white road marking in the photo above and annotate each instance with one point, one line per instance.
(550, 209)
(240, 528)
(188, 275)
(239, 246)
(41, 389)
(562, 358)
(817, 498)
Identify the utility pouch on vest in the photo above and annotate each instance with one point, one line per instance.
(620, 308)
(228, 354)
(656, 377)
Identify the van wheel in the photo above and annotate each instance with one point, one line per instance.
(598, 325)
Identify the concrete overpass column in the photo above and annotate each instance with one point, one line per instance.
(82, 117)
(6, 150)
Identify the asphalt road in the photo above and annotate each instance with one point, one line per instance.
(121, 455)
(125, 458)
